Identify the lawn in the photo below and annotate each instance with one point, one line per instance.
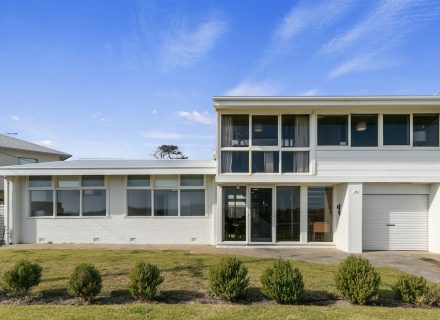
(185, 292)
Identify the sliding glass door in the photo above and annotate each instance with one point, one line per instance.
(261, 215)
(288, 213)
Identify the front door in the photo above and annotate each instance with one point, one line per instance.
(261, 215)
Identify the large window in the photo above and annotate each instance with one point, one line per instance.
(332, 130)
(41, 203)
(234, 214)
(68, 202)
(295, 131)
(235, 131)
(264, 130)
(288, 214)
(396, 128)
(320, 214)
(295, 161)
(235, 161)
(165, 202)
(425, 130)
(364, 130)
(265, 161)
(138, 196)
(192, 195)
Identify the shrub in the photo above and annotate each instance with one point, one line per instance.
(22, 277)
(357, 280)
(431, 296)
(145, 279)
(85, 282)
(409, 288)
(228, 279)
(282, 282)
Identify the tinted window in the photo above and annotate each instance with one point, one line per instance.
(425, 130)
(265, 161)
(68, 202)
(191, 180)
(295, 131)
(295, 161)
(364, 130)
(192, 202)
(40, 182)
(396, 129)
(93, 181)
(94, 203)
(320, 213)
(234, 214)
(288, 213)
(138, 202)
(41, 203)
(165, 203)
(265, 130)
(332, 130)
(138, 181)
(235, 161)
(235, 131)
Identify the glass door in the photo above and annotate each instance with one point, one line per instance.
(261, 215)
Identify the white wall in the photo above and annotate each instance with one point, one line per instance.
(117, 228)
(434, 219)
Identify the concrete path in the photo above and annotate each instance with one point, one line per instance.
(408, 261)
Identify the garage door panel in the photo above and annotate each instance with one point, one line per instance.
(395, 222)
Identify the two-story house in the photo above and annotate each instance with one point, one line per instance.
(355, 173)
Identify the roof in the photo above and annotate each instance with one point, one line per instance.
(8, 142)
(111, 167)
(231, 102)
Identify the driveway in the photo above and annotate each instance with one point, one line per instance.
(414, 262)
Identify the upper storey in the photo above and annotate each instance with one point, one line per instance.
(318, 139)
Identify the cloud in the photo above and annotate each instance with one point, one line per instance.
(308, 93)
(248, 88)
(199, 117)
(183, 47)
(15, 118)
(103, 119)
(169, 135)
(46, 143)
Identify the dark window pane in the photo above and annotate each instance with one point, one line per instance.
(425, 128)
(138, 202)
(40, 182)
(288, 213)
(93, 181)
(191, 180)
(332, 130)
(41, 203)
(235, 161)
(295, 161)
(192, 202)
(68, 202)
(261, 215)
(319, 216)
(234, 214)
(265, 130)
(235, 131)
(396, 129)
(295, 131)
(94, 203)
(265, 161)
(138, 181)
(165, 203)
(364, 130)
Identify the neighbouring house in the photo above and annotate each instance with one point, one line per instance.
(355, 173)
(14, 151)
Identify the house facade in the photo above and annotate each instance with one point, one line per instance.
(355, 173)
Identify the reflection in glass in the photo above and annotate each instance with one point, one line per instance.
(288, 213)
(234, 214)
(425, 130)
(192, 202)
(295, 131)
(265, 161)
(138, 202)
(165, 203)
(41, 203)
(264, 130)
(235, 131)
(138, 181)
(396, 129)
(94, 203)
(295, 162)
(364, 130)
(332, 130)
(68, 202)
(235, 161)
(319, 216)
(261, 215)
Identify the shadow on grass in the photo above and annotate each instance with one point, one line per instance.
(195, 268)
(54, 294)
(180, 296)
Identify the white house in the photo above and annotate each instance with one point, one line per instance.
(355, 173)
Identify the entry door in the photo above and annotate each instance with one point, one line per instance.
(261, 215)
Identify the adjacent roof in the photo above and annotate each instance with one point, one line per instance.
(111, 167)
(230, 102)
(8, 142)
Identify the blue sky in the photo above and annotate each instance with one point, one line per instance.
(114, 79)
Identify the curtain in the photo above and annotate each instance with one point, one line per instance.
(301, 161)
(269, 162)
(227, 131)
(226, 161)
(301, 131)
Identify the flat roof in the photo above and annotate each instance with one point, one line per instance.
(112, 167)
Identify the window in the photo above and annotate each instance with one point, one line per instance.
(295, 131)
(138, 181)
(192, 202)
(319, 216)
(235, 131)
(40, 182)
(425, 130)
(68, 182)
(235, 161)
(139, 202)
(234, 213)
(364, 130)
(265, 161)
(191, 180)
(295, 162)
(93, 181)
(94, 202)
(68, 203)
(165, 181)
(264, 130)
(41, 203)
(396, 129)
(288, 213)
(332, 130)
(27, 160)
(165, 202)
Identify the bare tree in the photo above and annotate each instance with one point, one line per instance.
(168, 151)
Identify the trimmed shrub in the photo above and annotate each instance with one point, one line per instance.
(410, 289)
(145, 279)
(228, 279)
(282, 282)
(85, 283)
(357, 280)
(21, 278)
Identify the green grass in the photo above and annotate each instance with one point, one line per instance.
(184, 288)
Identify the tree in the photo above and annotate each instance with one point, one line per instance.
(168, 151)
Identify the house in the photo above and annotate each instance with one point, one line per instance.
(14, 151)
(355, 173)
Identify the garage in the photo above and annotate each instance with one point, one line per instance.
(395, 220)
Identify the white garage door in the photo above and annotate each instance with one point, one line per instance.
(395, 222)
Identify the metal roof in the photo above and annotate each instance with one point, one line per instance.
(111, 167)
(8, 142)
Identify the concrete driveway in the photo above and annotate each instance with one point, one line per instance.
(408, 261)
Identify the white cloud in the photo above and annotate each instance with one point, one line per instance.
(46, 143)
(154, 111)
(103, 119)
(195, 116)
(308, 93)
(183, 47)
(15, 118)
(247, 88)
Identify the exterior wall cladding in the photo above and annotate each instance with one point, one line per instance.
(363, 174)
